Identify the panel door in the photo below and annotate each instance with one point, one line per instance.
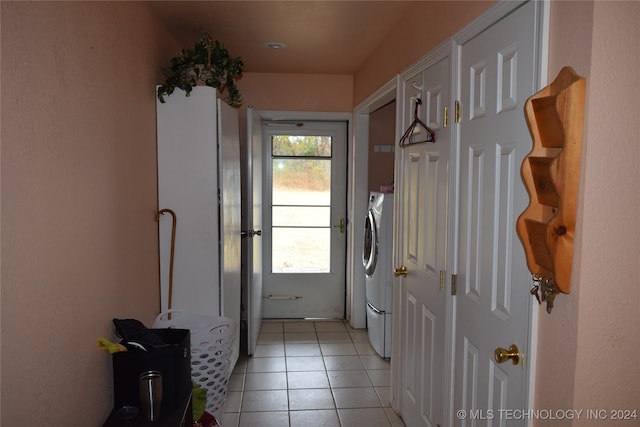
(187, 132)
(423, 194)
(492, 303)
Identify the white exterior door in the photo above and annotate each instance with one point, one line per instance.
(304, 233)
(492, 304)
(423, 195)
(253, 241)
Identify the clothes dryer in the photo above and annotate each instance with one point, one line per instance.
(377, 260)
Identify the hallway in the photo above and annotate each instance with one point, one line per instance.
(310, 374)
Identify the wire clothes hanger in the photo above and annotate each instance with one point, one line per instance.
(407, 138)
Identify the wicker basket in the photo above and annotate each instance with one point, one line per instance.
(212, 339)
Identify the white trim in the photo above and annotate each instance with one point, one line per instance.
(275, 115)
(452, 236)
(358, 195)
(497, 12)
(431, 58)
(541, 66)
(379, 98)
(305, 115)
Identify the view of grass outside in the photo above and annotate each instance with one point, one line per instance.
(301, 204)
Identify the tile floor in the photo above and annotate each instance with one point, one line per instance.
(310, 374)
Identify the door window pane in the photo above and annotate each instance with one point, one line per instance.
(301, 146)
(301, 216)
(301, 204)
(302, 182)
(301, 250)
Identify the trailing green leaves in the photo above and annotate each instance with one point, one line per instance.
(208, 63)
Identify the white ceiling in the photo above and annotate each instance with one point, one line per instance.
(321, 37)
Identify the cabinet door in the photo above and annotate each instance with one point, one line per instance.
(187, 132)
(230, 216)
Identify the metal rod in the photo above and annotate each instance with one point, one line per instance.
(283, 297)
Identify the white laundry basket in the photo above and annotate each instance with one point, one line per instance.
(212, 339)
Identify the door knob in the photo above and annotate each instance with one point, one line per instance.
(502, 354)
(400, 271)
(250, 233)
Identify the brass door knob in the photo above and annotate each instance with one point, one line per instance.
(502, 354)
(400, 271)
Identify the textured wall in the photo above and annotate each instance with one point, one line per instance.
(79, 195)
(586, 346)
(424, 27)
(297, 92)
(608, 317)
(570, 44)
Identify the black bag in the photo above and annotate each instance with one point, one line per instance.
(135, 335)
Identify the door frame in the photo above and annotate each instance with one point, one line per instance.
(287, 116)
(251, 282)
(322, 293)
(359, 196)
(449, 47)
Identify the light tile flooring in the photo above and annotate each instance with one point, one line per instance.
(310, 374)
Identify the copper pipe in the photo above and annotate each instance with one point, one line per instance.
(173, 245)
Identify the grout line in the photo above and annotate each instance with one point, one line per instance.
(359, 353)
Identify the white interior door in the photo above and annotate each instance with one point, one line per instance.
(493, 301)
(304, 233)
(253, 263)
(230, 215)
(423, 193)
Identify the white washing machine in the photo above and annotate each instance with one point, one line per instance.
(376, 258)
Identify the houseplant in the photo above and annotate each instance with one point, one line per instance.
(208, 63)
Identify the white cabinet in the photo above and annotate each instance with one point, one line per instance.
(199, 179)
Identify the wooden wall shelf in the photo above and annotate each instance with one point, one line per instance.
(551, 174)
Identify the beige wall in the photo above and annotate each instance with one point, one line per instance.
(297, 92)
(586, 346)
(79, 195)
(423, 27)
(608, 318)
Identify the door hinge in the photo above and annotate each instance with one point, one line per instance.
(445, 121)
(457, 118)
(441, 279)
(454, 284)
